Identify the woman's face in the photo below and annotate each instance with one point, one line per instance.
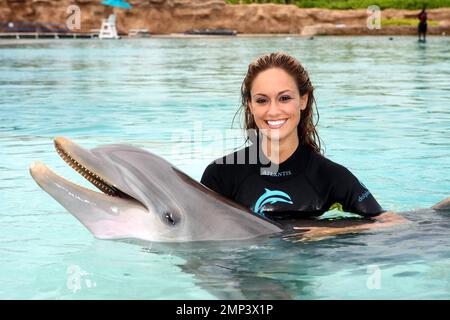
(276, 104)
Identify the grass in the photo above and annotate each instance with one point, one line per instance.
(405, 22)
(356, 4)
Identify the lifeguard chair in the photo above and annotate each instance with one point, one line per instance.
(108, 29)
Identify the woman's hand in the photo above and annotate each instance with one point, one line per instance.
(386, 219)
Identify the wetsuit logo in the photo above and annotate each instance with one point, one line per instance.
(365, 194)
(276, 174)
(362, 184)
(271, 196)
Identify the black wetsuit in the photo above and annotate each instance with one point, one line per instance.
(305, 185)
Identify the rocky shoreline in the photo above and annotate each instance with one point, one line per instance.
(177, 16)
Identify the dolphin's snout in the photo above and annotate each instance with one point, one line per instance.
(36, 167)
(61, 140)
(41, 173)
(33, 165)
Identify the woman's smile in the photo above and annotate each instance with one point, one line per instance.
(276, 124)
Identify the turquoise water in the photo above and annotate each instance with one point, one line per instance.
(384, 114)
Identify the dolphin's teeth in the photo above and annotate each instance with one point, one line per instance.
(92, 177)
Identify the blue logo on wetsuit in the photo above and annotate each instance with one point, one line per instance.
(270, 196)
(362, 185)
(365, 194)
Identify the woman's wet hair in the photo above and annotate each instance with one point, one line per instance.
(306, 129)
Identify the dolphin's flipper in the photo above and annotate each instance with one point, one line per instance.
(442, 205)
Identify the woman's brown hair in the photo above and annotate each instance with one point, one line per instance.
(306, 129)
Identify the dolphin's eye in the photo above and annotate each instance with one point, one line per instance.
(170, 219)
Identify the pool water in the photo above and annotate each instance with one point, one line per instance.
(384, 114)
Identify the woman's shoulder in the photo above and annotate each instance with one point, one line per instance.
(232, 164)
(326, 167)
(330, 176)
(224, 173)
(238, 157)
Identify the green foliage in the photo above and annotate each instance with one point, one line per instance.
(405, 22)
(260, 1)
(355, 4)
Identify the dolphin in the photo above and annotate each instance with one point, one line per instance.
(442, 205)
(144, 197)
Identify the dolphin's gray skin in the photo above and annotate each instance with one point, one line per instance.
(442, 205)
(144, 197)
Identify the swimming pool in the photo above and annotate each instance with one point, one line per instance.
(384, 114)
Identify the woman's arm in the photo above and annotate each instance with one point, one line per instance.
(314, 233)
(345, 192)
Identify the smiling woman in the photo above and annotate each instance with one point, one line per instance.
(277, 101)
(277, 97)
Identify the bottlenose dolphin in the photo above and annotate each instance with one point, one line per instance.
(145, 198)
(442, 205)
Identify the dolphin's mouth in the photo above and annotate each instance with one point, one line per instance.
(100, 182)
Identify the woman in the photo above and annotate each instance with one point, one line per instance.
(283, 174)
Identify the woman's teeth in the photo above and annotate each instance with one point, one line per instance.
(275, 124)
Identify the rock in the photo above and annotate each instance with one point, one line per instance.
(177, 16)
